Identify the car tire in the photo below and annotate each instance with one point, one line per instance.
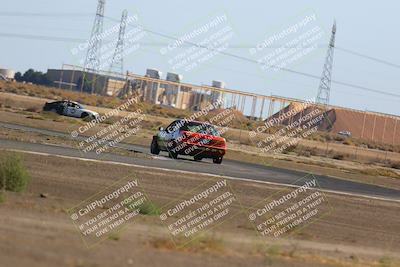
(217, 160)
(154, 149)
(84, 115)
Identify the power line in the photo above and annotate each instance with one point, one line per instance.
(244, 46)
(82, 40)
(42, 37)
(256, 62)
(77, 40)
(365, 88)
(30, 14)
(368, 57)
(50, 38)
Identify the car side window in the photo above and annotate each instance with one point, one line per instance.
(171, 127)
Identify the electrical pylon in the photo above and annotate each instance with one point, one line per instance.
(325, 83)
(92, 60)
(117, 62)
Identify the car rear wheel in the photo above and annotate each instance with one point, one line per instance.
(217, 160)
(154, 149)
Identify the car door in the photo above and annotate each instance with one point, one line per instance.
(169, 134)
(72, 110)
(60, 107)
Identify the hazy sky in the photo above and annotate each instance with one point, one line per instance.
(366, 27)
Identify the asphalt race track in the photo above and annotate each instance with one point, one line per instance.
(229, 168)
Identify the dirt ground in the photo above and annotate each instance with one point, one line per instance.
(14, 111)
(24, 102)
(36, 229)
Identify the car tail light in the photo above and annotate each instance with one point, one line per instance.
(202, 139)
(220, 142)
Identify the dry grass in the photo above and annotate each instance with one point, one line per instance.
(341, 148)
(108, 102)
(70, 181)
(240, 122)
(380, 172)
(203, 243)
(114, 236)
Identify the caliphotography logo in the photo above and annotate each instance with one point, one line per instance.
(199, 43)
(107, 212)
(111, 130)
(291, 209)
(292, 43)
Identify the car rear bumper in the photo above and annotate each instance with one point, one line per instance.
(199, 150)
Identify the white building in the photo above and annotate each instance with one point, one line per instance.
(7, 74)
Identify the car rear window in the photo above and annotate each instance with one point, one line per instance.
(202, 128)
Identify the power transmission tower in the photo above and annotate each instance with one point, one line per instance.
(92, 60)
(117, 62)
(325, 83)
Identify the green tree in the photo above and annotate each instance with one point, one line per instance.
(32, 76)
(18, 77)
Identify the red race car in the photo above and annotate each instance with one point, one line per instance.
(192, 138)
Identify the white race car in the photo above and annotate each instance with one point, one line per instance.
(345, 133)
(70, 109)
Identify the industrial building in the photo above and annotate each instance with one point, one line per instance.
(86, 81)
(169, 92)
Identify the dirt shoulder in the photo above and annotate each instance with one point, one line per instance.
(38, 230)
(347, 170)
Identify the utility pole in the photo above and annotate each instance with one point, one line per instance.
(117, 62)
(92, 60)
(325, 83)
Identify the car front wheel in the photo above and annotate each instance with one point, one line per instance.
(154, 149)
(217, 160)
